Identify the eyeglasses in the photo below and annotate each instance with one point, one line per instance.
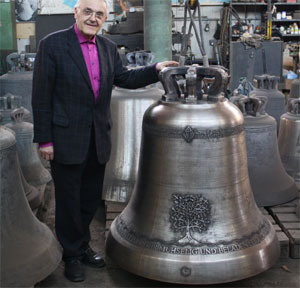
(89, 12)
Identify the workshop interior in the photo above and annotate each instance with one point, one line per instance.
(203, 182)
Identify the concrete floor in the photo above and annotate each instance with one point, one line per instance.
(285, 273)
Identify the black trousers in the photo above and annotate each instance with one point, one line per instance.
(78, 190)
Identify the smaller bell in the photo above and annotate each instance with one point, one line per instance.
(121, 170)
(8, 103)
(271, 185)
(289, 139)
(267, 86)
(295, 88)
(29, 250)
(31, 165)
(34, 197)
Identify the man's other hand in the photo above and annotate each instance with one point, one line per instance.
(162, 65)
(47, 152)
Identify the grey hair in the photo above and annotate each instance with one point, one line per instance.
(78, 2)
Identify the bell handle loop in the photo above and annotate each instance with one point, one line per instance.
(256, 104)
(17, 115)
(260, 81)
(143, 58)
(131, 58)
(242, 104)
(167, 78)
(250, 100)
(3, 102)
(273, 81)
(263, 81)
(221, 79)
(294, 106)
(263, 101)
(236, 101)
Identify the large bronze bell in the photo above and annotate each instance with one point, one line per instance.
(270, 183)
(192, 218)
(29, 250)
(31, 165)
(289, 139)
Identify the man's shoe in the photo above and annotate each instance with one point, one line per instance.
(93, 259)
(74, 270)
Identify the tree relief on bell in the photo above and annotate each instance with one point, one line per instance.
(188, 244)
(188, 133)
(189, 214)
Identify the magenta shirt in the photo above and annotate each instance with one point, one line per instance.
(90, 54)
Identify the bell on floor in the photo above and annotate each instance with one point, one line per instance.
(192, 217)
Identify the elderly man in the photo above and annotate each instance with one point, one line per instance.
(75, 70)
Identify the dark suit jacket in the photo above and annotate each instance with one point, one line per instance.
(63, 100)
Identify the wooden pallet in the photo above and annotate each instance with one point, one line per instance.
(113, 209)
(287, 219)
(282, 237)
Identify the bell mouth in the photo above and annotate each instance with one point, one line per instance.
(211, 267)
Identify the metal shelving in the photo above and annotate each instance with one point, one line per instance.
(286, 20)
(259, 9)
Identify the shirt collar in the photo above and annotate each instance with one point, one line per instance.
(82, 38)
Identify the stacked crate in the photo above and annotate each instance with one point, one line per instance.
(286, 216)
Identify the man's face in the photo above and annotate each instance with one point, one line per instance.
(90, 16)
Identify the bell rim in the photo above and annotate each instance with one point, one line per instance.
(113, 242)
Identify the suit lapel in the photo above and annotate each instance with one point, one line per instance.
(75, 51)
(103, 68)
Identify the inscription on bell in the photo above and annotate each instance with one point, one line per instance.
(201, 248)
(188, 134)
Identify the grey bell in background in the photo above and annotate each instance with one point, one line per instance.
(29, 250)
(289, 139)
(8, 103)
(18, 81)
(267, 86)
(127, 109)
(295, 87)
(270, 183)
(31, 165)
